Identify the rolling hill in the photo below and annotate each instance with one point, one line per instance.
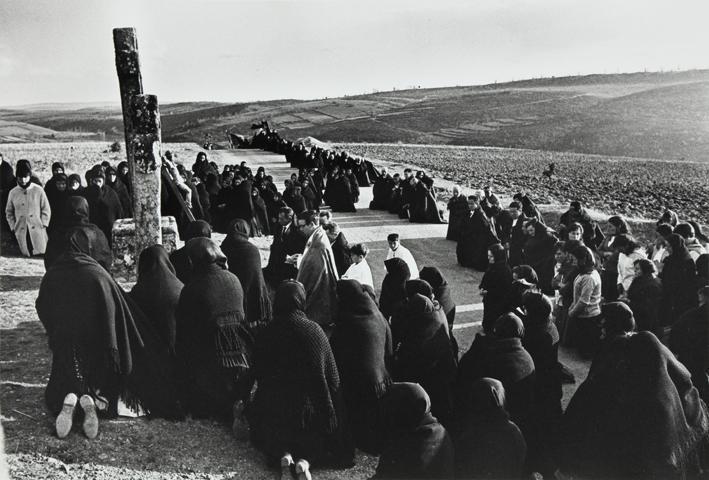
(648, 114)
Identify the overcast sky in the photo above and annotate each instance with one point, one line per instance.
(229, 50)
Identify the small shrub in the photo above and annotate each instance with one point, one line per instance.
(115, 147)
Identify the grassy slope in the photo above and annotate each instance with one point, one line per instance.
(648, 115)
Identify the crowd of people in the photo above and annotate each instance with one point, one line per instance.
(307, 361)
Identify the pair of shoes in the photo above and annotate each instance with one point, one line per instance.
(287, 466)
(302, 470)
(65, 419)
(239, 427)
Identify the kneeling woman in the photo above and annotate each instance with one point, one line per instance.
(298, 410)
(103, 347)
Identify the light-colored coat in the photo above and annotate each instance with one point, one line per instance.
(28, 210)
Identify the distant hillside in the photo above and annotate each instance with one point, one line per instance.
(647, 114)
(21, 132)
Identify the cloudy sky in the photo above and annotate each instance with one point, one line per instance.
(238, 50)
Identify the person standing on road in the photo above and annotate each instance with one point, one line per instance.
(28, 213)
(397, 250)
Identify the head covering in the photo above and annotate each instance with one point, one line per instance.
(618, 318)
(23, 169)
(406, 406)
(678, 245)
(419, 286)
(238, 227)
(203, 253)
(509, 325)
(57, 165)
(393, 286)
(198, 228)
(76, 211)
(290, 297)
(487, 395)
(74, 177)
(538, 307)
(440, 286)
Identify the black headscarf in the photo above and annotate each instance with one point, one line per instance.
(393, 286)
(441, 289)
(157, 291)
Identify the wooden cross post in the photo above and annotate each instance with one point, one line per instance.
(141, 120)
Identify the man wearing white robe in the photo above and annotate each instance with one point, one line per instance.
(359, 270)
(396, 250)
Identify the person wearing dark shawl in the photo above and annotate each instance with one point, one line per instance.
(424, 354)
(678, 281)
(476, 236)
(393, 293)
(502, 356)
(101, 343)
(441, 291)
(239, 203)
(541, 340)
(339, 194)
(539, 253)
(609, 254)
(689, 340)
(354, 184)
(244, 261)
(298, 409)
(7, 183)
(423, 204)
(381, 192)
(489, 445)
(340, 247)
(76, 218)
(260, 224)
(703, 270)
(645, 296)
(124, 175)
(104, 204)
(396, 195)
(637, 414)
(495, 286)
(529, 208)
(57, 194)
(180, 258)
(74, 185)
(157, 292)
(318, 274)
(119, 187)
(512, 233)
(213, 342)
(458, 211)
(362, 344)
(415, 444)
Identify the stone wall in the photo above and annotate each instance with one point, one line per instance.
(125, 260)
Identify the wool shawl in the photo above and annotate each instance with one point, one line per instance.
(244, 261)
(637, 414)
(416, 445)
(318, 274)
(298, 402)
(441, 290)
(393, 292)
(100, 340)
(539, 254)
(157, 291)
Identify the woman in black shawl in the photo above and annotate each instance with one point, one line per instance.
(393, 292)
(244, 261)
(637, 414)
(100, 342)
(458, 211)
(340, 247)
(362, 345)
(539, 253)
(381, 192)
(415, 444)
(441, 291)
(645, 296)
(121, 190)
(104, 204)
(502, 356)
(489, 445)
(476, 236)
(679, 281)
(609, 274)
(57, 194)
(298, 409)
(261, 224)
(495, 286)
(423, 353)
(180, 258)
(76, 218)
(157, 292)
(213, 340)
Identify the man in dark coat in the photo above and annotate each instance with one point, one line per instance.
(458, 211)
(381, 191)
(104, 204)
(512, 231)
(423, 204)
(288, 240)
(475, 237)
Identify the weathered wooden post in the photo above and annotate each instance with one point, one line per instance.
(141, 121)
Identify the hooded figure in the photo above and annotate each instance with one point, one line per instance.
(476, 236)
(459, 211)
(381, 192)
(244, 261)
(76, 217)
(157, 292)
(298, 406)
(57, 200)
(502, 356)
(104, 205)
(121, 190)
(180, 258)
(441, 291)
(362, 345)
(318, 274)
(539, 254)
(689, 341)
(497, 287)
(393, 292)
(678, 281)
(424, 354)
(637, 415)
(213, 339)
(489, 445)
(416, 445)
(100, 340)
